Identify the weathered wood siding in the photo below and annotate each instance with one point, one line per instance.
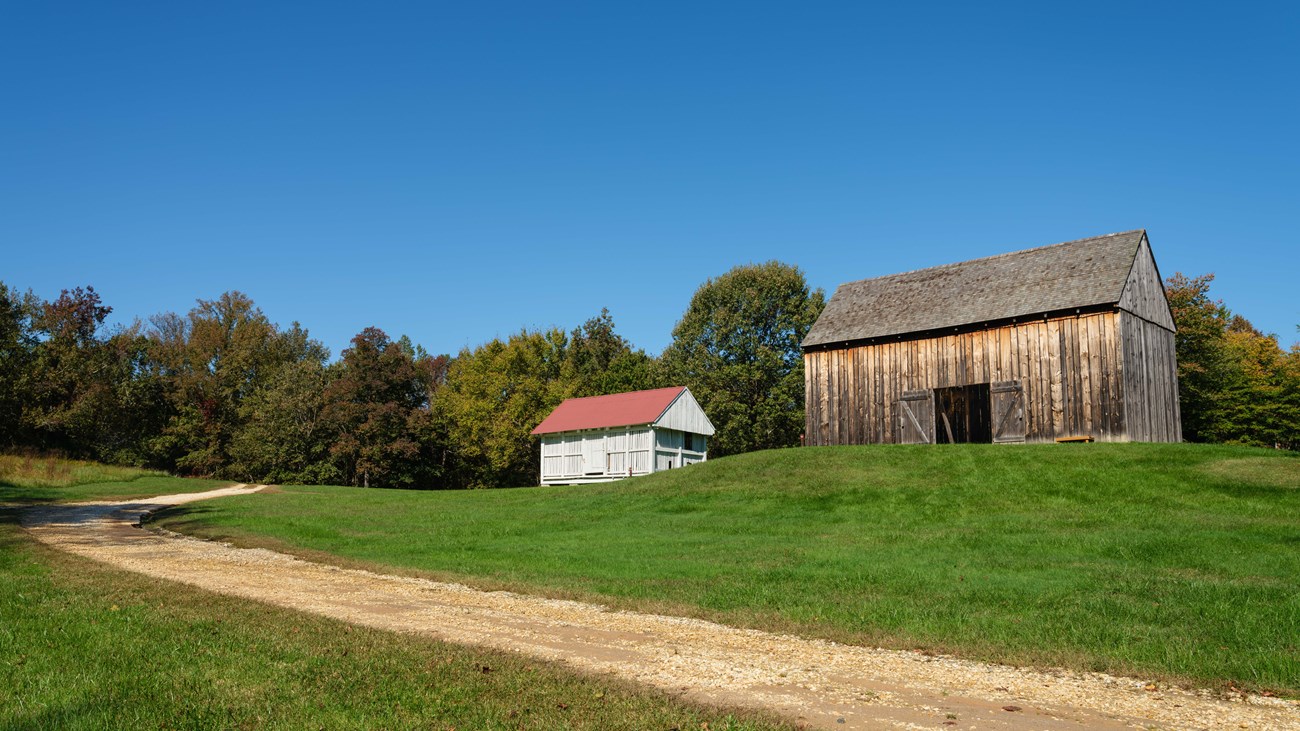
(1151, 376)
(1144, 294)
(1150, 381)
(1070, 370)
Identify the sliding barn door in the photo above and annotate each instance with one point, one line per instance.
(1008, 405)
(916, 417)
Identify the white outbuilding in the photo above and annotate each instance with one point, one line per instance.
(603, 438)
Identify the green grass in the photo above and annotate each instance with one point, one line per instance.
(1180, 562)
(29, 479)
(83, 646)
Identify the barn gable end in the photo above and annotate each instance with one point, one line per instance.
(1065, 341)
(1144, 292)
(686, 415)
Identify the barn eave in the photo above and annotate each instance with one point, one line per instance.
(963, 328)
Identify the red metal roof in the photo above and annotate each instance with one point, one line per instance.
(619, 409)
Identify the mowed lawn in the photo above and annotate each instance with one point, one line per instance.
(84, 646)
(1179, 562)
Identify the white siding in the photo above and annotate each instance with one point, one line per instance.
(599, 454)
(639, 439)
(616, 441)
(668, 439)
(572, 454)
(616, 455)
(685, 414)
(552, 455)
(639, 450)
(671, 451)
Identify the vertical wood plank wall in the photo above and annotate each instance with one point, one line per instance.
(1150, 382)
(1071, 369)
(1144, 295)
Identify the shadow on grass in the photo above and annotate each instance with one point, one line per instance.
(63, 715)
(1249, 491)
(181, 513)
(188, 519)
(11, 492)
(8, 538)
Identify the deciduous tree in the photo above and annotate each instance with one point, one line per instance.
(373, 407)
(737, 348)
(69, 384)
(1199, 345)
(17, 346)
(1236, 384)
(598, 361)
(495, 394)
(212, 360)
(284, 437)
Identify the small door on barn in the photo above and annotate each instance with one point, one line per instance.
(593, 455)
(1008, 403)
(916, 417)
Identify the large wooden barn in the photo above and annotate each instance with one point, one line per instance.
(603, 438)
(1070, 341)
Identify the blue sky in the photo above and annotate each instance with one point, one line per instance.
(457, 171)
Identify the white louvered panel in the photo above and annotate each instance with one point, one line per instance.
(552, 466)
(640, 461)
(639, 440)
(572, 464)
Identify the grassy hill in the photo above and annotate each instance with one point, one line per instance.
(84, 646)
(1176, 561)
(32, 479)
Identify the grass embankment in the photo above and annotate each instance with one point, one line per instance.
(27, 479)
(1174, 561)
(86, 647)
(83, 646)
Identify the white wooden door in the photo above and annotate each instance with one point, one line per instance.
(593, 454)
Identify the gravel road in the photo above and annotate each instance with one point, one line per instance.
(817, 683)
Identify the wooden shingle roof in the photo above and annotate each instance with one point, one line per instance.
(1075, 274)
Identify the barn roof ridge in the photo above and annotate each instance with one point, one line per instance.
(624, 393)
(998, 256)
(1085, 272)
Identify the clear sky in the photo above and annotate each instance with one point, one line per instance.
(457, 171)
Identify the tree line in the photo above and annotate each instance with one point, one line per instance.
(222, 391)
(1236, 384)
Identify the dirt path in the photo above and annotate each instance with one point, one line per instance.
(819, 683)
